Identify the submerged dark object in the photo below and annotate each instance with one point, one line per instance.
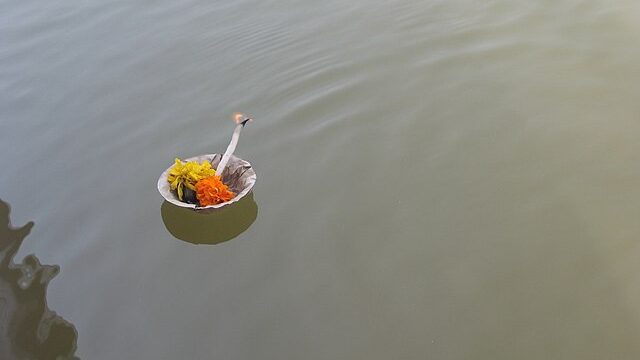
(238, 175)
(28, 328)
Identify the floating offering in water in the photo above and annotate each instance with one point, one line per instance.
(193, 183)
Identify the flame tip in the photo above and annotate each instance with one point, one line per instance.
(240, 117)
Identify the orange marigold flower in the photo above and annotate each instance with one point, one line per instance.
(212, 190)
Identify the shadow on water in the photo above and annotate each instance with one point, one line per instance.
(214, 228)
(28, 328)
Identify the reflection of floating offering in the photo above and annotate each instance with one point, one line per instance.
(203, 229)
(193, 183)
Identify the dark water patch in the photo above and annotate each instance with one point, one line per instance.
(28, 328)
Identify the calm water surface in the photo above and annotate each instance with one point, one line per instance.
(436, 179)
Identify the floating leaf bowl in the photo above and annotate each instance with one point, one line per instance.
(238, 175)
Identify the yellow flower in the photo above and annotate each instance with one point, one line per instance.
(188, 174)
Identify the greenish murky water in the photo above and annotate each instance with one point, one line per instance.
(436, 179)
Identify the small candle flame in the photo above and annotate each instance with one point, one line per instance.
(241, 120)
(239, 117)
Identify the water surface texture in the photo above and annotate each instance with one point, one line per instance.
(436, 179)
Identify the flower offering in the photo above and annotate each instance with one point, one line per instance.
(201, 179)
(197, 182)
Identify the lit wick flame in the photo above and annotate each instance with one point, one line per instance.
(240, 118)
